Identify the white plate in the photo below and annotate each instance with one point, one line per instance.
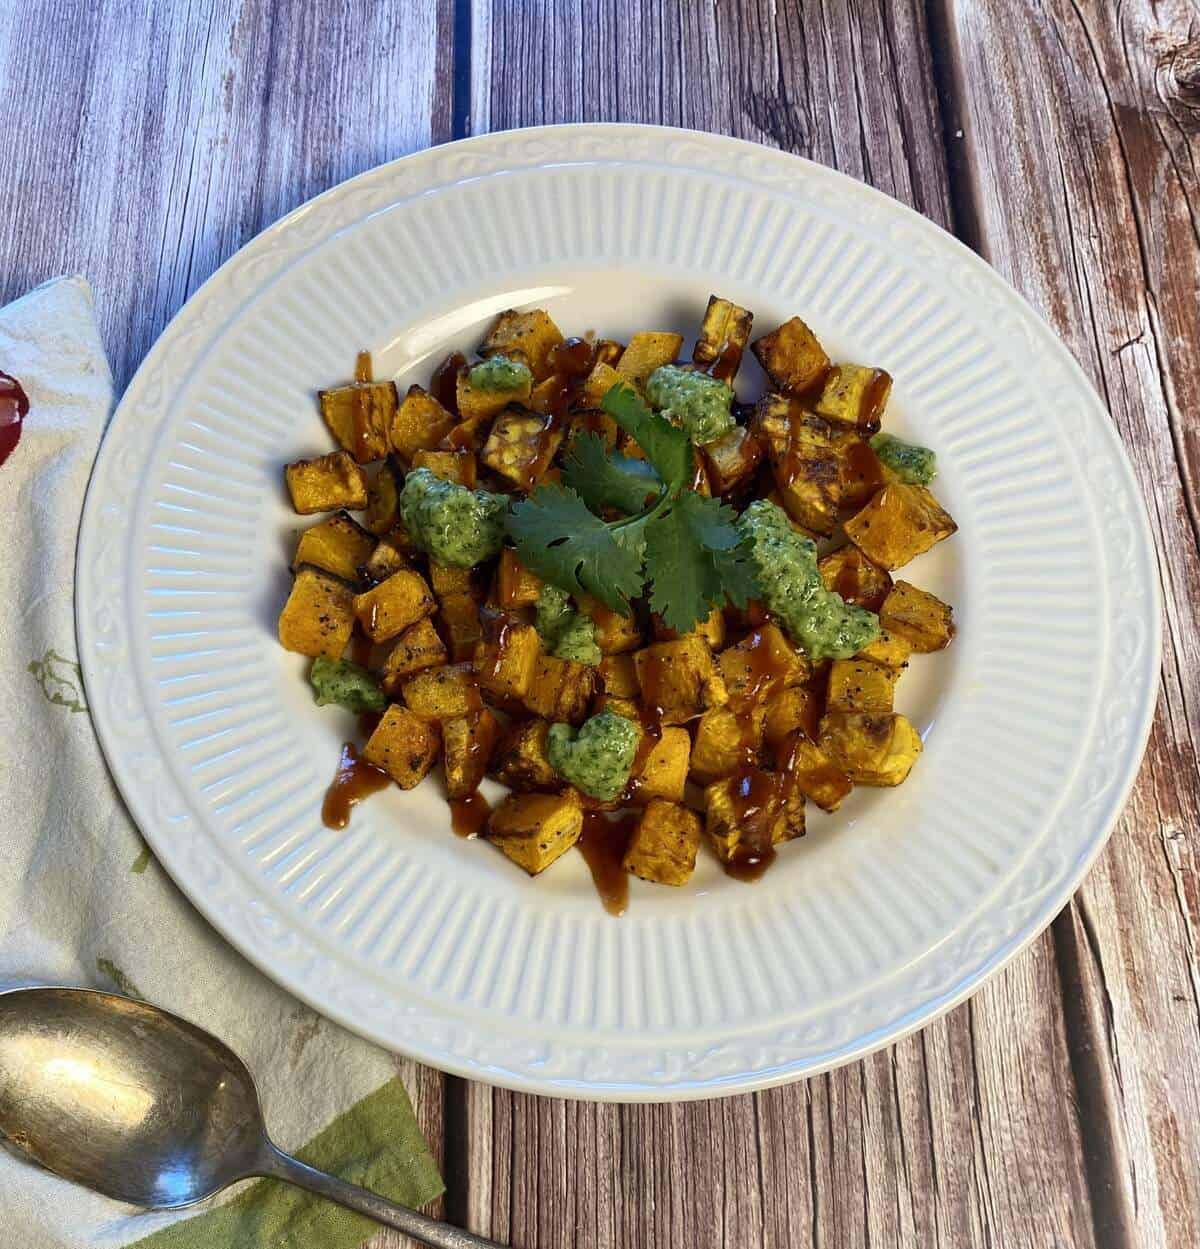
(887, 913)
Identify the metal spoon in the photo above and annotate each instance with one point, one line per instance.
(145, 1107)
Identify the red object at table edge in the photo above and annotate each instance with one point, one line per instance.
(14, 408)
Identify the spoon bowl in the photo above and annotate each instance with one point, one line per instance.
(142, 1106)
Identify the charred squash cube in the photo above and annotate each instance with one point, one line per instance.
(888, 649)
(872, 749)
(449, 582)
(456, 466)
(663, 846)
(383, 499)
(318, 617)
(443, 693)
(402, 745)
(725, 824)
(536, 829)
(477, 404)
(679, 678)
(855, 395)
(647, 351)
(849, 573)
(760, 664)
(561, 690)
(615, 633)
(359, 416)
(900, 523)
(806, 461)
(338, 545)
(522, 761)
(723, 336)
(420, 423)
(859, 685)
(326, 484)
(807, 768)
(793, 358)
(389, 555)
(459, 615)
(395, 603)
(467, 745)
(597, 384)
(862, 473)
(530, 337)
(520, 447)
(664, 771)
(417, 648)
(732, 459)
(516, 586)
(505, 663)
(618, 676)
(920, 618)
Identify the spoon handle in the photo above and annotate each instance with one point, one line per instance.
(280, 1166)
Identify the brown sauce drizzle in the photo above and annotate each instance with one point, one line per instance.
(755, 804)
(875, 394)
(354, 780)
(360, 650)
(603, 844)
(766, 669)
(573, 357)
(728, 361)
(14, 408)
(469, 815)
(363, 369)
(443, 386)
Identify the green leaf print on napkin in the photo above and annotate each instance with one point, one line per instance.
(60, 680)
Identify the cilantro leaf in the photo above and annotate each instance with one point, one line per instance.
(667, 448)
(605, 478)
(691, 550)
(560, 540)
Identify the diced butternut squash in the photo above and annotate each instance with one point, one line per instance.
(318, 617)
(536, 829)
(420, 424)
(872, 749)
(900, 523)
(761, 663)
(732, 459)
(393, 605)
(520, 447)
(530, 337)
(806, 767)
(793, 358)
(855, 395)
(723, 336)
(359, 415)
(459, 614)
(618, 676)
(338, 545)
(849, 573)
(522, 760)
(614, 633)
(679, 680)
(790, 709)
(383, 499)
(505, 662)
(560, 690)
(646, 352)
(402, 745)
(459, 467)
(920, 618)
(326, 484)
(478, 404)
(664, 843)
(443, 693)
(389, 555)
(888, 649)
(726, 741)
(664, 771)
(467, 745)
(598, 383)
(516, 586)
(859, 685)
(417, 648)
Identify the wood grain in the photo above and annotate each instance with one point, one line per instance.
(1060, 1106)
(1099, 229)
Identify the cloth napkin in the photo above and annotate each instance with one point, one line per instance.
(83, 902)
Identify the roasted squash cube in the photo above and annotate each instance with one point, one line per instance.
(443, 693)
(477, 404)
(900, 523)
(859, 685)
(459, 614)
(561, 690)
(449, 582)
(732, 459)
(456, 466)
(663, 846)
(535, 829)
(390, 607)
(679, 680)
(920, 618)
(522, 760)
(402, 745)
(516, 586)
(467, 745)
(530, 337)
(725, 824)
(849, 573)
(630, 708)
(420, 423)
(806, 461)
(338, 545)
(723, 336)
(761, 663)
(806, 767)
(792, 358)
(597, 384)
(663, 772)
(646, 352)
(855, 395)
(787, 710)
(726, 741)
(871, 748)
(595, 422)
(417, 648)
(318, 617)
(326, 484)
(520, 447)
(359, 416)
(862, 473)
(389, 555)
(618, 676)
(383, 499)
(505, 662)
(888, 649)
(615, 633)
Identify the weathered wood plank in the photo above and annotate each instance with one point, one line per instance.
(968, 1133)
(1082, 124)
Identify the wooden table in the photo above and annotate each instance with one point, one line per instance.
(145, 142)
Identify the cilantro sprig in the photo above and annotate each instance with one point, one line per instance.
(682, 544)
